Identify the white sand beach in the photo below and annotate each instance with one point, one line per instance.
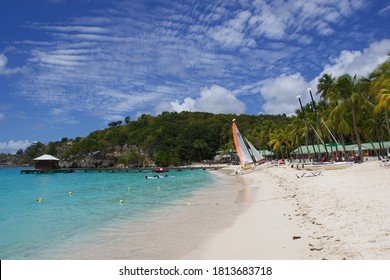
(341, 214)
(270, 214)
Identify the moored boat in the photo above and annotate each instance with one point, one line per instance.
(247, 163)
(322, 166)
(161, 170)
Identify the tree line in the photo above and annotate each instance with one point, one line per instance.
(351, 109)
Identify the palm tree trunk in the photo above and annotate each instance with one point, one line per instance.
(379, 139)
(300, 154)
(357, 134)
(346, 156)
(375, 150)
(387, 121)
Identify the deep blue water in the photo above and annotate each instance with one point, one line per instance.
(79, 204)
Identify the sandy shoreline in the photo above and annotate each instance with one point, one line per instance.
(269, 214)
(341, 214)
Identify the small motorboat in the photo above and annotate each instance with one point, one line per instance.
(161, 170)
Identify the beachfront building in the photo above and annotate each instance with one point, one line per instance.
(268, 155)
(46, 162)
(370, 151)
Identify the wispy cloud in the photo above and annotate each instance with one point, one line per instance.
(75, 29)
(177, 55)
(385, 10)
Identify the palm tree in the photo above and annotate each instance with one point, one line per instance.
(337, 126)
(279, 140)
(351, 93)
(297, 131)
(325, 86)
(266, 130)
(380, 90)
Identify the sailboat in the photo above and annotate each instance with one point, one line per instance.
(255, 153)
(244, 153)
(246, 160)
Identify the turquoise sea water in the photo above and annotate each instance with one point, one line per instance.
(79, 204)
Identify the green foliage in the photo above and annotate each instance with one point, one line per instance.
(171, 138)
(164, 158)
(351, 107)
(133, 159)
(35, 150)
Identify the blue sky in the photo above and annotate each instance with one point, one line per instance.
(68, 67)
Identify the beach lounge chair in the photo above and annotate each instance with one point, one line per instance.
(309, 174)
(385, 163)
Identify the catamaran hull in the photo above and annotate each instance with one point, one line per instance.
(243, 171)
(323, 166)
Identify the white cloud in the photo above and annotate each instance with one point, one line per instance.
(187, 105)
(12, 146)
(3, 61)
(59, 58)
(232, 33)
(4, 69)
(269, 24)
(324, 29)
(230, 38)
(360, 63)
(280, 94)
(215, 99)
(240, 21)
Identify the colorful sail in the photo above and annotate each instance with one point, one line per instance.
(242, 151)
(255, 153)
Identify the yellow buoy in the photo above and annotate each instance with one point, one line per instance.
(129, 189)
(189, 203)
(121, 201)
(39, 199)
(70, 193)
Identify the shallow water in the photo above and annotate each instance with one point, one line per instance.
(84, 208)
(169, 232)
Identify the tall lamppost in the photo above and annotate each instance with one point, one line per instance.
(318, 120)
(307, 129)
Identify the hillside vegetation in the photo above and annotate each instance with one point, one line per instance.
(355, 109)
(166, 139)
